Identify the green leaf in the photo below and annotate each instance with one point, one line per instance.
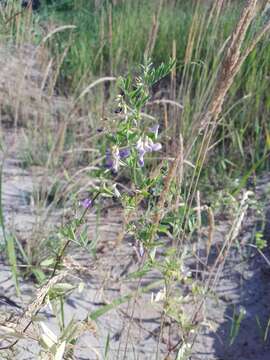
(11, 253)
(2, 219)
(39, 274)
(119, 301)
(107, 347)
(247, 175)
(98, 313)
(47, 262)
(62, 288)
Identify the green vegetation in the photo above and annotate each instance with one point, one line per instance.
(112, 39)
(159, 108)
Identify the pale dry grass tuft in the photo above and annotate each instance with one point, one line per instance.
(21, 72)
(25, 73)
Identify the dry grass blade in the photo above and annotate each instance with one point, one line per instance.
(166, 101)
(167, 183)
(25, 321)
(55, 31)
(153, 33)
(93, 84)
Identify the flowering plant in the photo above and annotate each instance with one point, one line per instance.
(129, 142)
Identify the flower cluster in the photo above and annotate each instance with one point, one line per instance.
(114, 157)
(145, 145)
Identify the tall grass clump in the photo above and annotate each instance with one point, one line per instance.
(111, 38)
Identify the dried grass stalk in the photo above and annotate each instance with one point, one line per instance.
(153, 33)
(24, 322)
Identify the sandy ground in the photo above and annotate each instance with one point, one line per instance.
(243, 284)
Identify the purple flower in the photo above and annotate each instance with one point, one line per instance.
(144, 146)
(141, 151)
(114, 156)
(156, 146)
(139, 249)
(87, 203)
(154, 130)
(108, 160)
(124, 153)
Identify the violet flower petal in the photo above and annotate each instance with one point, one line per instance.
(148, 144)
(156, 147)
(124, 153)
(108, 159)
(86, 203)
(141, 249)
(140, 145)
(141, 161)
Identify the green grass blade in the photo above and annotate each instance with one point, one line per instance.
(247, 175)
(107, 346)
(12, 259)
(119, 301)
(2, 220)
